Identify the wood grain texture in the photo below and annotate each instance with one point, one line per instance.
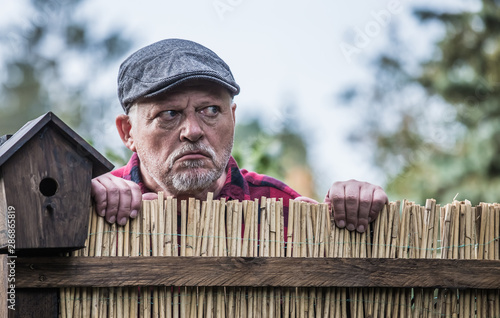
(3, 213)
(11, 145)
(40, 303)
(56, 221)
(4, 285)
(248, 271)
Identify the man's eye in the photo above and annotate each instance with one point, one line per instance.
(211, 110)
(168, 114)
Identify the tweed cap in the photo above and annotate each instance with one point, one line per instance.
(163, 65)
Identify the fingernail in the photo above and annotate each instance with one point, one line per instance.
(112, 219)
(369, 219)
(350, 227)
(361, 228)
(341, 224)
(123, 221)
(133, 214)
(102, 213)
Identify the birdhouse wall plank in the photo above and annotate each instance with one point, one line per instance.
(3, 213)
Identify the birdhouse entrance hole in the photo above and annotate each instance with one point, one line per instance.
(48, 187)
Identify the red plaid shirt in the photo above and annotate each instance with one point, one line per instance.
(240, 184)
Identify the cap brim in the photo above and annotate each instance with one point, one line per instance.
(232, 89)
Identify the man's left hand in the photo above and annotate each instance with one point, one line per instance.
(355, 203)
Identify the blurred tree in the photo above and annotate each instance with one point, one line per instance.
(434, 124)
(52, 60)
(280, 154)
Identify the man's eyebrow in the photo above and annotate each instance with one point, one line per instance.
(211, 101)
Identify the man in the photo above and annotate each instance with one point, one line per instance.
(179, 121)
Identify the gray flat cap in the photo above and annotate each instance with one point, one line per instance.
(163, 65)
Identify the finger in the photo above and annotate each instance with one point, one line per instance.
(125, 202)
(337, 199)
(150, 196)
(351, 205)
(130, 201)
(113, 188)
(99, 193)
(365, 205)
(306, 199)
(135, 206)
(378, 202)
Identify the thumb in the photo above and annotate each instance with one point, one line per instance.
(150, 196)
(306, 199)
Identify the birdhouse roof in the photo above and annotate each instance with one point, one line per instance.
(100, 164)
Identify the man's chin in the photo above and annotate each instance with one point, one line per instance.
(192, 172)
(193, 179)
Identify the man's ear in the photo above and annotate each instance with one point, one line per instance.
(233, 111)
(124, 128)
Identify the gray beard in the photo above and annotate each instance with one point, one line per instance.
(190, 181)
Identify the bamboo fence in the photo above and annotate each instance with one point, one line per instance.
(167, 227)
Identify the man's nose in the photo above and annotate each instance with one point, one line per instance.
(191, 129)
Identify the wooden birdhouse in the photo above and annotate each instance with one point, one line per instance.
(45, 178)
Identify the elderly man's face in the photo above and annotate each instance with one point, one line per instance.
(184, 138)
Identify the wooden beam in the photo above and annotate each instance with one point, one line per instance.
(40, 303)
(4, 286)
(247, 271)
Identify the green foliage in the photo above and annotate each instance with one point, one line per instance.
(435, 127)
(279, 153)
(118, 159)
(266, 152)
(52, 60)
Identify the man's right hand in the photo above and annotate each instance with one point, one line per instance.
(117, 199)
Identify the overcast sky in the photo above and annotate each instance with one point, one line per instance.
(279, 51)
